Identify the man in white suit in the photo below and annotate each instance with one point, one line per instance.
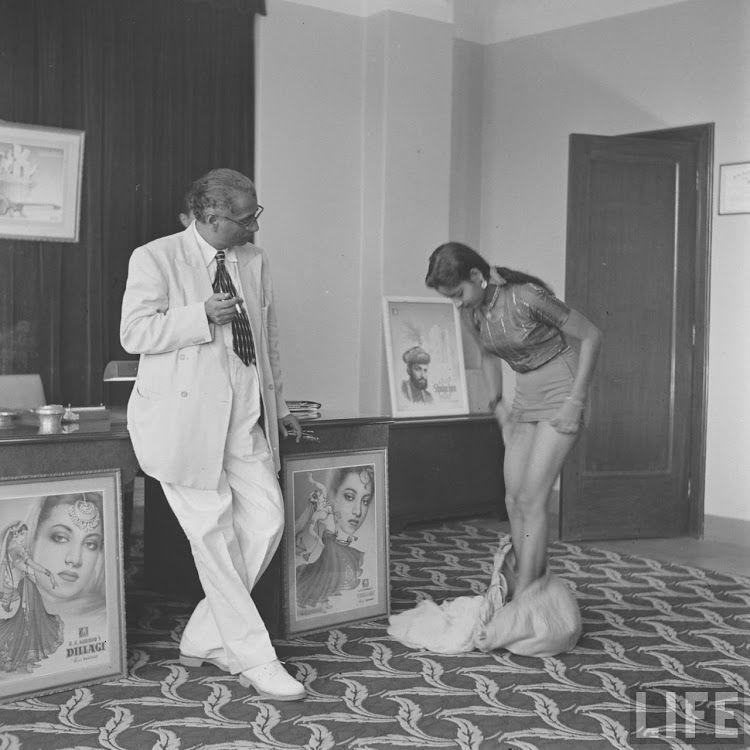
(205, 413)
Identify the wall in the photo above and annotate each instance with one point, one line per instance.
(466, 180)
(466, 142)
(346, 102)
(353, 164)
(309, 176)
(416, 160)
(679, 65)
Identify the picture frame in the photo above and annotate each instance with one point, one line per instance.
(62, 606)
(335, 551)
(734, 188)
(424, 354)
(41, 170)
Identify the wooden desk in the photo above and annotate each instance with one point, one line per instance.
(438, 467)
(445, 467)
(96, 444)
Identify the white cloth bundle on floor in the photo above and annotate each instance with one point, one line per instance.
(447, 628)
(543, 620)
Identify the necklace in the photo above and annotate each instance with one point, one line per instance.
(495, 295)
(345, 541)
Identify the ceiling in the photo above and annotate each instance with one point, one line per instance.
(490, 21)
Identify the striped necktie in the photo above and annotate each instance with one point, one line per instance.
(242, 337)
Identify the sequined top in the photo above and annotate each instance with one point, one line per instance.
(522, 327)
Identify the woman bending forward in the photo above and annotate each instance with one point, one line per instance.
(515, 317)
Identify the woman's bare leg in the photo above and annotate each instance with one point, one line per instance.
(545, 458)
(534, 455)
(518, 438)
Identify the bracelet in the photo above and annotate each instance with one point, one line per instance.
(495, 401)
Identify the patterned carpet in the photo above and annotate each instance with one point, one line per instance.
(646, 624)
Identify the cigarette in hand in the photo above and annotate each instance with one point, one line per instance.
(236, 304)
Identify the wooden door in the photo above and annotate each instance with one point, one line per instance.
(630, 267)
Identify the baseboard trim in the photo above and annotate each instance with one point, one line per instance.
(728, 530)
(715, 528)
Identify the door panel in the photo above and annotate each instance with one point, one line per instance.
(630, 258)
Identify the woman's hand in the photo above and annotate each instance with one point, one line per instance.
(502, 415)
(568, 419)
(321, 513)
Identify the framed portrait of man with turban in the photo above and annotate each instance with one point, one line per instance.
(424, 354)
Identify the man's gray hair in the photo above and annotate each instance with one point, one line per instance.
(217, 190)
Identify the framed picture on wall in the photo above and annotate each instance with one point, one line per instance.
(40, 182)
(424, 353)
(734, 188)
(62, 622)
(335, 555)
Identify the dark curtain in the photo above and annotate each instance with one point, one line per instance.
(164, 90)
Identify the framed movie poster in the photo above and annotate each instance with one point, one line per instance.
(426, 374)
(40, 182)
(62, 608)
(336, 539)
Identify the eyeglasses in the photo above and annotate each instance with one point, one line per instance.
(248, 221)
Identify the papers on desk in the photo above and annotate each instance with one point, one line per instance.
(77, 413)
(304, 409)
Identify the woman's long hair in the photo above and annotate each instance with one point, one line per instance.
(451, 263)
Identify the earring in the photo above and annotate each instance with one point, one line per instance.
(484, 284)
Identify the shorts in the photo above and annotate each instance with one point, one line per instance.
(541, 392)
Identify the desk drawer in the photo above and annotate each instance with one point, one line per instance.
(336, 438)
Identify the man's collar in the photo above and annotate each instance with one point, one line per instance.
(208, 251)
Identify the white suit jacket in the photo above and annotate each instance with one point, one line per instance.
(178, 412)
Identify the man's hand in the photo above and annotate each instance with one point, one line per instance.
(221, 308)
(289, 426)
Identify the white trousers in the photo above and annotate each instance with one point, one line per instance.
(233, 532)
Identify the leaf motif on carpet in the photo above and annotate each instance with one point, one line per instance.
(646, 624)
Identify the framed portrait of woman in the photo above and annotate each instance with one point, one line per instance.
(424, 353)
(336, 540)
(62, 621)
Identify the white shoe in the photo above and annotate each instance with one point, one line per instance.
(273, 681)
(196, 661)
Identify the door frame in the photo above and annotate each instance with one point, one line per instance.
(702, 138)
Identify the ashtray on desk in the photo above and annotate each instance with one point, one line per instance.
(49, 418)
(7, 416)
